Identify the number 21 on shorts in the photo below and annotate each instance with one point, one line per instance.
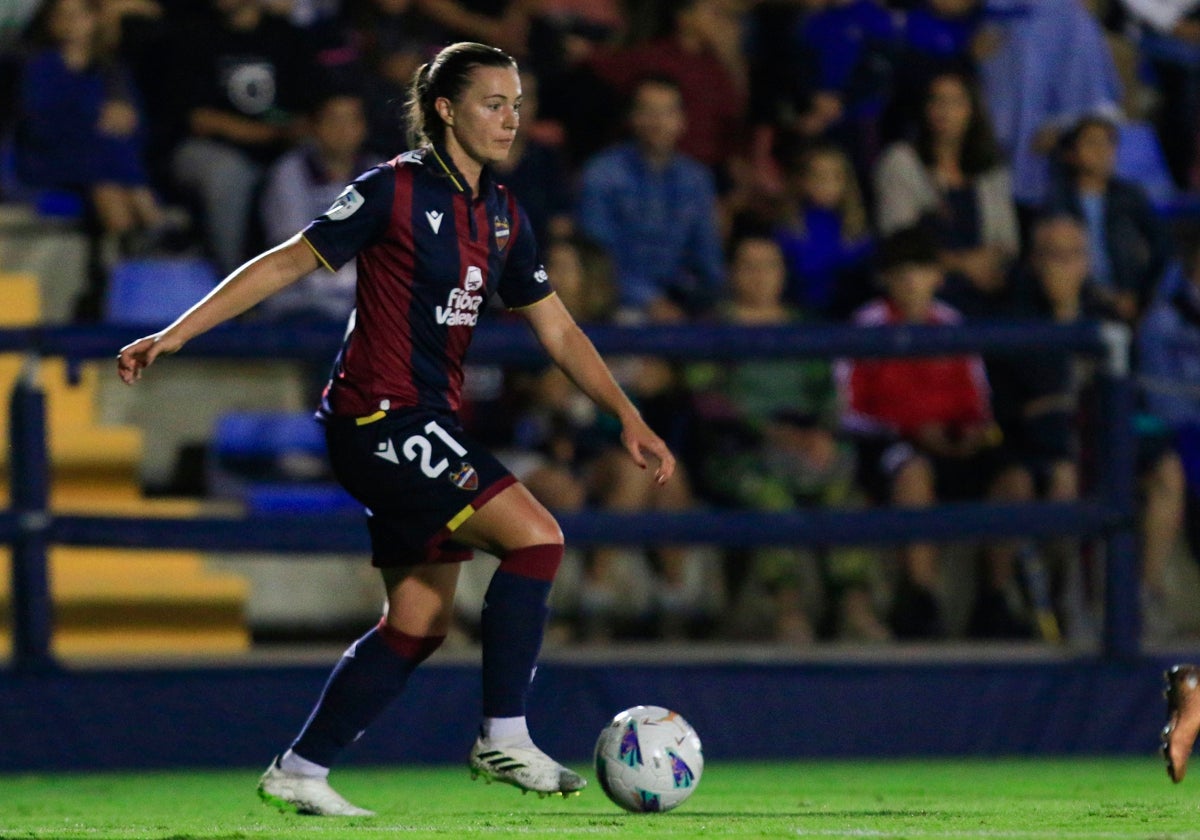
(419, 448)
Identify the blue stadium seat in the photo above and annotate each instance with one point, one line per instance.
(156, 291)
(274, 462)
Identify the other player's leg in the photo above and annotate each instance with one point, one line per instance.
(516, 528)
(1183, 718)
(371, 673)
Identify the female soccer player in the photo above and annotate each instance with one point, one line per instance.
(434, 236)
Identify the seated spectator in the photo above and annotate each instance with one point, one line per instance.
(1130, 245)
(1043, 401)
(766, 440)
(654, 210)
(951, 177)
(79, 123)
(925, 434)
(698, 48)
(300, 186)
(1034, 93)
(850, 47)
(391, 38)
(241, 80)
(824, 234)
(937, 36)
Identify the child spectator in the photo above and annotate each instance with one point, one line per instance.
(766, 441)
(925, 433)
(1130, 246)
(951, 177)
(824, 235)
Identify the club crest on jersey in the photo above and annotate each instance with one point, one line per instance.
(345, 205)
(500, 227)
(465, 477)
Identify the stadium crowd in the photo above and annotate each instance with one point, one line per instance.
(741, 161)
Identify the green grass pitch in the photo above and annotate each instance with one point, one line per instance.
(976, 798)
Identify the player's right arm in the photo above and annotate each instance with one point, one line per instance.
(256, 280)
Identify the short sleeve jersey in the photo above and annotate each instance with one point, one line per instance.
(429, 255)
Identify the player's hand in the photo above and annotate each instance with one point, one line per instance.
(639, 441)
(139, 355)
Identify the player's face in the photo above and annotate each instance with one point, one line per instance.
(484, 119)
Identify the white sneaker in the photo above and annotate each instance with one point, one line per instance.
(304, 795)
(528, 768)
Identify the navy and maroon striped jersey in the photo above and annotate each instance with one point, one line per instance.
(429, 255)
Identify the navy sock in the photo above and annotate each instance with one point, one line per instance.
(512, 624)
(370, 674)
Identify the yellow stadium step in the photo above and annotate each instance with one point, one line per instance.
(122, 602)
(110, 601)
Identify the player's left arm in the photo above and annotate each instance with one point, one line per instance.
(575, 354)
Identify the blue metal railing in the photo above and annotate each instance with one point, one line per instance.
(30, 528)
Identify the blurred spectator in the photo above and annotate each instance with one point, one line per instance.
(654, 210)
(80, 129)
(537, 172)
(850, 46)
(391, 38)
(1168, 355)
(1034, 93)
(765, 440)
(241, 78)
(700, 49)
(937, 36)
(824, 233)
(926, 433)
(1043, 404)
(300, 186)
(1130, 245)
(951, 177)
(500, 23)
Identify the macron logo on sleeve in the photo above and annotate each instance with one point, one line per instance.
(435, 219)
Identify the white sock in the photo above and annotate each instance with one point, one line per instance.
(292, 763)
(506, 731)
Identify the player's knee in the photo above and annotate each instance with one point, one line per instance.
(534, 561)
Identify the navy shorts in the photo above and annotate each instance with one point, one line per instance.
(420, 477)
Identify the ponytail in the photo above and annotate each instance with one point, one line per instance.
(447, 75)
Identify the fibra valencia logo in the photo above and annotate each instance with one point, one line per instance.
(500, 229)
(345, 205)
(462, 306)
(465, 477)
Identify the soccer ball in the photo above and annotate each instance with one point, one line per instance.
(648, 759)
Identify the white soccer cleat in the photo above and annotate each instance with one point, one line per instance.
(527, 768)
(305, 795)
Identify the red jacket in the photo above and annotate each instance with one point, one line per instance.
(898, 396)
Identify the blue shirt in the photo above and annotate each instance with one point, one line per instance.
(658, 226)
(1093, 206)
